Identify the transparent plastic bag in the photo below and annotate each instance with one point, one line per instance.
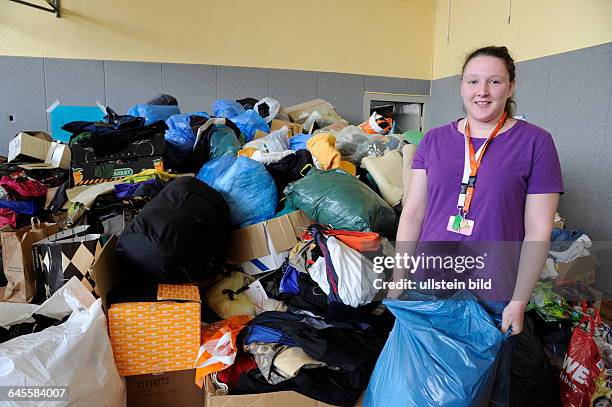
(354, 144)
(324, 117)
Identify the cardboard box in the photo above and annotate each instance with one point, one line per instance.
(94, 173)
(156, 336)
(278, 399)
(583, 265)
(25, 147)
(156, 146)
(585, 278)
(259, 134)
(169, 389)
(558, 222)
(264, 246)
(294, 128)
(58, 156)
(299, 113)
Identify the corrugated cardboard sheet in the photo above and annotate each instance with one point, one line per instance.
(250, 242)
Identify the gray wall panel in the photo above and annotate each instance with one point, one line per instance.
(237, 83)
(292, 87)
(578, 97)
(396, 85)
(386, 85)
(130, 83)
(22, 95)
(445, 102)
(194, 86)
(74, 82)
(602, 224)
(345, 92)
(531, 93)
(418, 86)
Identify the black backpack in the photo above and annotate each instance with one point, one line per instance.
(178, 237)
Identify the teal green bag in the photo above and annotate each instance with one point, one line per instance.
(339, 199)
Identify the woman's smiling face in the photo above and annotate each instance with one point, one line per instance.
(485, 87)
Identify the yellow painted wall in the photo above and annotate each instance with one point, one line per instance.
(537, 28)
(383, 37)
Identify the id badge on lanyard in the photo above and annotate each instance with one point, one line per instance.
(459, 223)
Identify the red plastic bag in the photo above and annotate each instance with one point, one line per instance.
(581, 368)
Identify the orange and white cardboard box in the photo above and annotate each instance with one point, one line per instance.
(157, 336)
(265, 246)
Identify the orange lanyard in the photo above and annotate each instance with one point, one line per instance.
(468, 185)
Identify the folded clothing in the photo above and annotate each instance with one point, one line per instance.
(578, 248)
(562, 239)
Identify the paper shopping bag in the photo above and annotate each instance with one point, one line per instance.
(18, 263)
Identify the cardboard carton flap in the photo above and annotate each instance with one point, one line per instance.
(251, 242)
(103, 269)
(178, 292)
(579, 266)
(248, 243)
(284, 232)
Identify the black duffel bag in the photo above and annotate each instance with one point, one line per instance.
(178, 237)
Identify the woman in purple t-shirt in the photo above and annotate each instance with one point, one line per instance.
(487, 178)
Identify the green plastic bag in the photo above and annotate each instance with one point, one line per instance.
(413, 136)
(339, 199)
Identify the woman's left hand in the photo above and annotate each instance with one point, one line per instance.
(513, 316)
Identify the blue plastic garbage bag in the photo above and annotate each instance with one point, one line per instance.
(153, 113)
(179, 136)
(298, 142)
(227, 108)
(246, 186)
(249, 122)
(439, 353)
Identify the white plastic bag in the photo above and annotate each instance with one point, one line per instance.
(275, 142)
(270, 109)
(76, 354)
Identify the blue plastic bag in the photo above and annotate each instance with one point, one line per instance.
(179, 136)
(153, 113)
(298, 142)
(246, 186)
(249, 122)
(227, 108)
(439, 353)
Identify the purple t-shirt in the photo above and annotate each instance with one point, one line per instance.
(522, 160)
